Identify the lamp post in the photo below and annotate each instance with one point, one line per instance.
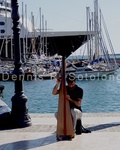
(19, 111)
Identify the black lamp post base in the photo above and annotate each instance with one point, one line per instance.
(20, 121)
(8, 122)
(19, 113)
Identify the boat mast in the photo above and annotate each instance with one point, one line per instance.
(96, 29)
(33, 31)
(11, 43)
(43, 34)
(40, 33)
(88, 48)
(23, 32)
(6, 39)
(46, 37)
(26, 45)
(92, 40)
(90, 27)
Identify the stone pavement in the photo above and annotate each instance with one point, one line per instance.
(41, 135)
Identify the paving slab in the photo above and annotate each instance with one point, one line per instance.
(41, 135)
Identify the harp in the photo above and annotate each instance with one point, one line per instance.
(64, 119)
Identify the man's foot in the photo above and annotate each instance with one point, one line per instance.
(84, 130)
(64, 138)
(78, 127)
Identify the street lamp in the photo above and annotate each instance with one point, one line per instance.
(19, 111)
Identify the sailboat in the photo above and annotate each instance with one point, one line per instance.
(98, 63)
(87, 71)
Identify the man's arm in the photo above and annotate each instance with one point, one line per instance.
(55, 89)
(77, 103)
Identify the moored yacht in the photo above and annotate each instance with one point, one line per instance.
(86, 71)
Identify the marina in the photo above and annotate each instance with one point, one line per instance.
(39, 47)
(42, 67)
(100, 95)
(38, 61)
(27, 78)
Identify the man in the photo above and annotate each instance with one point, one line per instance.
(74, 96)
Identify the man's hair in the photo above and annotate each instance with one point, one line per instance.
(70, 77)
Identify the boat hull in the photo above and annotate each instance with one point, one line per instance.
(92, 74)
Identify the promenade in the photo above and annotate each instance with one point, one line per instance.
(41, 135)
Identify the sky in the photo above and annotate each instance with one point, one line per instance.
(70, 15)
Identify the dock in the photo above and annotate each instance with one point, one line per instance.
(105, 134)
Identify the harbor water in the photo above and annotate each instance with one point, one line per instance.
(100, 95)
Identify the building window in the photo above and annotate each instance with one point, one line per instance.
(2, 31)
(2, 23)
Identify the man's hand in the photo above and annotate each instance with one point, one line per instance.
(58, 80)
(55, 89)
(77, 103)
(68, 97)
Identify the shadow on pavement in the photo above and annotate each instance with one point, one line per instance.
(29, 144)
(104, 126)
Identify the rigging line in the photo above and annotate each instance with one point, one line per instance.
(103, 45)
(109, 41)
(103, 48)
(104, 24)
